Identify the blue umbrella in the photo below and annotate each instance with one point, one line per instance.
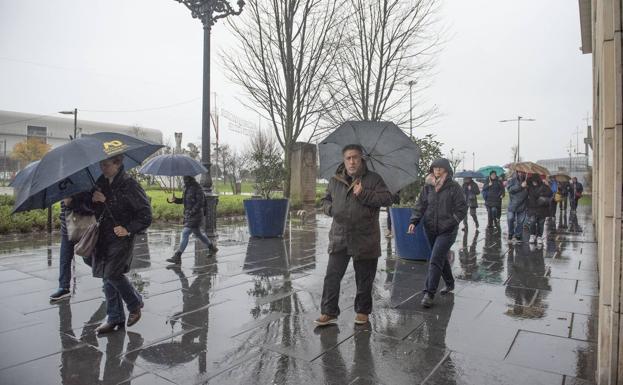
(73, 167)
(469, 174)
(173, 165)
(23, 175)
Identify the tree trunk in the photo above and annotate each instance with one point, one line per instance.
(288, 162)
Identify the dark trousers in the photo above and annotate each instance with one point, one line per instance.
(493, 214)
(117, 291)
(365, 271)
(537, 224)
(66, 256)
(439, 266)
(472, 213)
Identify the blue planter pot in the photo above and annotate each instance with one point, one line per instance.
(409, 246)
(266, 217)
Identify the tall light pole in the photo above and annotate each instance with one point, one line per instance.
(75, 114)
(473, 161)
(208, 11)
(518, 120)
(411, 84)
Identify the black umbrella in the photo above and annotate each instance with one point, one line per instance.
(23, 175)
(387, 150)
(173, 165)
(469, 174)
(73, 167)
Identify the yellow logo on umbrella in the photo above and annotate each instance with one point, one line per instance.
(114, 146)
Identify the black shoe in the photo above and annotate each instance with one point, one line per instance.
(213, 249)
(60, 294)
(109, 327)
(176, 258)
(427, 300)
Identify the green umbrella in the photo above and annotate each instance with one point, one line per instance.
(487, 170)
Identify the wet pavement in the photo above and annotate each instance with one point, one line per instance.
(520, 314)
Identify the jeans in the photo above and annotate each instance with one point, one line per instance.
(536, 225)
(516, 221)
(66, 256)
(117, 291)
(186, 234)
(472, 213)
(439, 266)
(365, 271)
(493, 212)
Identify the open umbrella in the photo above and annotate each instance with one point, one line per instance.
(170, 166)
(487, 170)
(387, 150)
(529, 168)
(561, 177)
(22, 176)
(469, 174)
(73, 167)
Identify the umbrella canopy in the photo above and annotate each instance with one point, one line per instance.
(387, 150)
(172, 165)
(487, 170)
(561, 177)
(469, 174)
(529, 168)
(22, 176)
(73, 167)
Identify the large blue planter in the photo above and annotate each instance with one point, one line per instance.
(266, 217)
(409, 246)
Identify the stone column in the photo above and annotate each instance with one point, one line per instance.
(303, 175)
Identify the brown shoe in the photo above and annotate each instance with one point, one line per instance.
(361, 319)
(109, 327)
(325, 320)
(134, 317)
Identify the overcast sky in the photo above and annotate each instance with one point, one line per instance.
(140, 62)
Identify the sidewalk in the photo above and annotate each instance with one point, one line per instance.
(519, 315)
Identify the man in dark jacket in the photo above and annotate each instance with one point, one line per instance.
(442, 207)
(539, 195)
(516, 212)
(354, 198)
(471, 191)
(494, 192)
(124, 209)
(564, 189)
(575, 193)
(194, 202)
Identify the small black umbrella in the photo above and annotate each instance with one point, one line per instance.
(388, 151)
(74, 167)
(173, 165)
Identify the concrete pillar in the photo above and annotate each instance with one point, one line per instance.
(303, 174)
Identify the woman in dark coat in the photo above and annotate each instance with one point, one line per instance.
(539, 196)
(442, 207)
(124, 209)
(471, 190)
(494, 191)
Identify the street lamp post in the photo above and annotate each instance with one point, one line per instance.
(75, 114)
(208, 11)
(518, 120)
(411, 84)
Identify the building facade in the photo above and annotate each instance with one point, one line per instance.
(601, 27)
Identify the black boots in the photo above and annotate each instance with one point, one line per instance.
(176, 258)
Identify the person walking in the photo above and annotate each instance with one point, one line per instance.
(442, 207)
(563, 190)
(471, 191)
(124, 209)
(553, 205)
(575, 193)
(516, 212)
(80, 204)
(194, 203)
(353, 199)
(493, 191)
(539, 196)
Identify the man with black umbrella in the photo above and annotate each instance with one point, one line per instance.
(354, 198)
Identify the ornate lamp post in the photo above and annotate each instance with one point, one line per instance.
(208, 11)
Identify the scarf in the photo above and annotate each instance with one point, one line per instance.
(436, 182)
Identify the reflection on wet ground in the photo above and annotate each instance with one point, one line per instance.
(522, 314)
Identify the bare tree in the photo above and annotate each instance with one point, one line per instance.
(286, 50)
(386, 45)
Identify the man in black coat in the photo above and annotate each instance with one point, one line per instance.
(194, 203)
(442, 207)
(575, 193)
(471, 191)
(354, 198)
(124, 209)
(494, 192)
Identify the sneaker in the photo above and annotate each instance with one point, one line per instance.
(60, 294)
(532, 238)
(325, 320)
(361, 319)
(539, 240)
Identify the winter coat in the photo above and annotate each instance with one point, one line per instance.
(442, 211)
(539, 197)
(575, 190)
(355, 229)
(126, 205)
(471, 195)
(194, 203)
(518, 195)
(494, 192)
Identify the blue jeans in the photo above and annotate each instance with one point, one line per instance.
(536, 225)
(117, 291)
(439, 266)
(66, 256)
(516, 221)
(493, 213)
(186, 234)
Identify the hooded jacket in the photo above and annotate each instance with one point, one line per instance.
(518, 195)
(355, 229)
(442, 211)
(194, 202)
(494, 192)
(471, 194)
(539, 197)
